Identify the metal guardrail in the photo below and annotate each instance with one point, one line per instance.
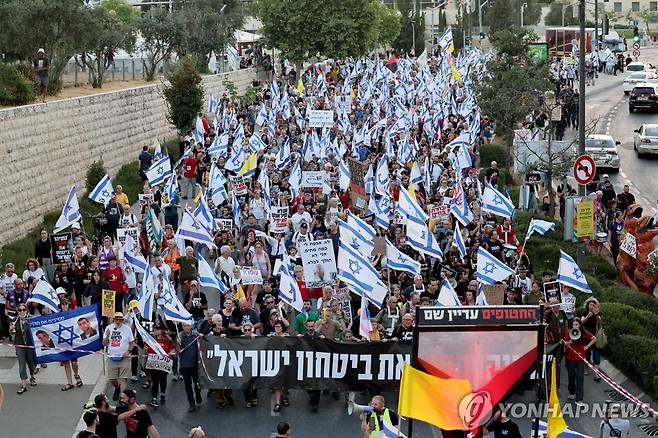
(121, 70)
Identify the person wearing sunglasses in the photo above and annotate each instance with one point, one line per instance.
(24, 348)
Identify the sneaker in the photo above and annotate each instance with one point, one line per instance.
(154, 402)
(572, 396)
(134, 379)
(163, 400)
(198, 398)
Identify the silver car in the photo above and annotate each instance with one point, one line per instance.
(603, 149)
(645, 140)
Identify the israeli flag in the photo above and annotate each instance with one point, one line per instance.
(355, 270)
(365, 325)
(199, 131)
(134, 259)
(208, 278)
(382, 210)
(496, 203)
(202, 214)
(235, 209)
(70, 211)
(159, 171)
(459, 207)
(490, 270)
(235, 163)
(145, 298)
(256, 143)
(288, 288)
(345, 176)
(447, 296)
(399, 261)
(283, 156)
(480, 297)
(219, 145)
(463, 140)
(157, 149)
(458, 242)
(150, 340)
(216, 183)
(103, 191)
(191, 229)
(369, 181)
(295, 178)
(43, 293)
(463, 158)
(415, 175)
(427, 175)
(264, 181)
(408, 207)
(172, 307)
(570, 274)
(350, 234)
(171, 187)
(421, 238)
(539, 226)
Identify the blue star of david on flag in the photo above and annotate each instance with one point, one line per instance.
(497, 200)
(355, 267)
(355, 243)
(61, 338)
(496, 203)
(578, 273)
(489, 268)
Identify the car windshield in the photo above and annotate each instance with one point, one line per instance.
(635, 67)
(651, 132)
(599, 143)
(637, 76)
(643, 90)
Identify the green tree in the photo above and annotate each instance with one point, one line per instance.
(104, 34)
(55, 25)
(160, 33)
(554, 16)
(500, 15)
(647, 16)
(126, 13)
(338, 29)
(412, 23)
(184, 94)
(209, 26)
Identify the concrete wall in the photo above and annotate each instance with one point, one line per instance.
(44, 148)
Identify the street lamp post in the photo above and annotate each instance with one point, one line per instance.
(480, 6)
(523, 6)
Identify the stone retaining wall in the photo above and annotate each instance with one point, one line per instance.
(46, 147)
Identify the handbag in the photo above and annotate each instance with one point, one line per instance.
(601, 338)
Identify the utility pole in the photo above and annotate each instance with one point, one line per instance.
(480, 6)
(470, 22)
(580, 247)
(596, 24)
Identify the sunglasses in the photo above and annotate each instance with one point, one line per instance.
(22, 309)
(269, 302)
(246, 329)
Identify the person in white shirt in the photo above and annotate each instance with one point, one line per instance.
(302, 236)
(159, 271)
(300, 216)
(522, 283)
(118, 339)
(6, 286)
(127, 220)
(257, 207)
(225, 263)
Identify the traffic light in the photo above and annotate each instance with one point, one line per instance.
(636, 34)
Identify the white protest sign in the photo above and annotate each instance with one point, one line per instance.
(568, 302)
(343, 295)
(319, 263)
(439, 211)
(629, 245)
(155, 362)
(145, 198)
(123, 232)
(312, 179)
(224, 224)
(250, 275)
(320, 118)
(239, 187)
(344, 104)
(279, 219)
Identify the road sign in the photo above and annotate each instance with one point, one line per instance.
(584, 169)
(636, 53)
(636, 46)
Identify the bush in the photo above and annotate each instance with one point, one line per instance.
(184, 95)
(621, 319)
(95, 173)
(637, 357)
(493, 152)
(616, 293)
(15, 88)
(600, 267)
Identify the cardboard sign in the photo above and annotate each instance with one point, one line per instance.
(145, 198)
(380, 246)
(439, 211)
(155, 362)
(62, 246)
(343, 295)
(224, 224)
(250, 275)
(239, 186)
(568, 302)
(552, 290)
(629, 245)
(108, 297)
(495, 294)
(319, 263)
(123, 232)
(357, 174)
(320, 118)
(344, 104)
(279, 219)
(312, 179)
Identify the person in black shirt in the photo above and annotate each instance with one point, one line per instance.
(196, 303)
(42, 252)
(91, 421)
(139, 424)
(314, 394)
(144, 162)
(404, 331)
(503, 427)
(108, 418)
(113, 212)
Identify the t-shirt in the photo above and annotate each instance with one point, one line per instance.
(242, 316)
(576, 351)
(85, 434)
(145, 160)
(7, 282)
(120, 338)
(196, 309)
(507, 429)
(107, 424)
(138, 424)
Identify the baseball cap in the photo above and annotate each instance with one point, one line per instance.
(194, 283)
(75, 225)
(41, 51)
(605, 175)
(118, 315)
(60, 290)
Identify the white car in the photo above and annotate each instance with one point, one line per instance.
(640, 66)
(645, 140)
(603, 149)
(636, 78)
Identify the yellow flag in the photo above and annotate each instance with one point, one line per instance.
(455, 73)
(239, 293)
(300, 86)
(197, 198)
(249, 166)
(432, 399)
(412, 191)
(555, 422)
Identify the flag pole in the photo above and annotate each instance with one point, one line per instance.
(540, 365)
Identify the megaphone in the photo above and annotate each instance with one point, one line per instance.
(575, 334)
(353, 408)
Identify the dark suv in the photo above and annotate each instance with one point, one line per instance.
(643, 96)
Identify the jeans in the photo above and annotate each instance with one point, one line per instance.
(314, 397)
(593, 355)
(191, 376)
(576, 371)
(26, 360)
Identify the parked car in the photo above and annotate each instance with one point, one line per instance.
(645, 140)
(640, 66)
(603, 149)
(636, 78)
(644, 96)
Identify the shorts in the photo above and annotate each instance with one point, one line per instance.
(41, 80)
(118, 369)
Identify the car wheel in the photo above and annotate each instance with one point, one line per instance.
(631, 109)
(627, 93)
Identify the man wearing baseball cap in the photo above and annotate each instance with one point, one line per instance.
(119, 341)
(40, 67)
